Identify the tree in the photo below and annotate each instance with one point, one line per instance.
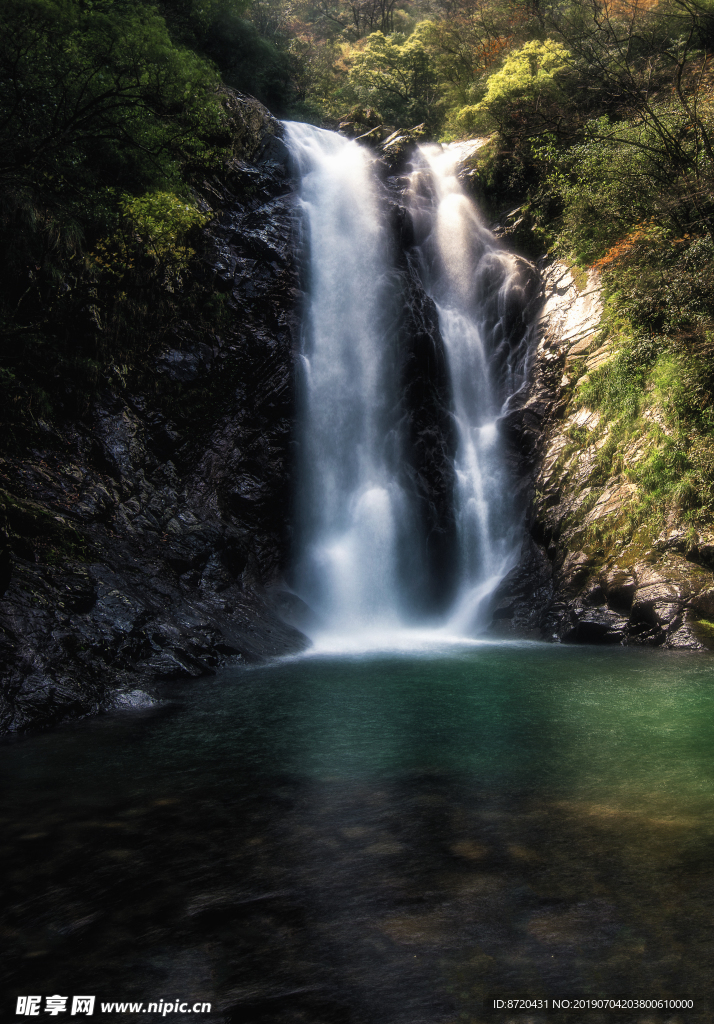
(98, 89)
(104, 122)
(468, 41)
(649, 69)
(524, 97)
(397, 77)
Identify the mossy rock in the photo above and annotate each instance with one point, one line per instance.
(640, 549)
(703, 630)
(251, 123)
(580, 276)
(360, 117)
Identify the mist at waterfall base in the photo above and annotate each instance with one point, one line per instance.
(362, 558)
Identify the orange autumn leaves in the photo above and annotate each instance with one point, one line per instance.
(645, 232)
(621, 249)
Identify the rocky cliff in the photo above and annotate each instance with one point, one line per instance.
(147, 538)
(138, 541)
(592, 570)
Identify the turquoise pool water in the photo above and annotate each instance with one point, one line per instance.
(390, 837)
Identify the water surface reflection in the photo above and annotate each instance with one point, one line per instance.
(384, 839)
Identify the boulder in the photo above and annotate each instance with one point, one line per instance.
(703, 604)
(397, 149)
(598, 625)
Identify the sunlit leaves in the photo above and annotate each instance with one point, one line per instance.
(528, 72)
(154, 225)
(397, 77)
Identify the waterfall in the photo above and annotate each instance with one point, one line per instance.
(352, 513)
(360, 563)
(478, 289)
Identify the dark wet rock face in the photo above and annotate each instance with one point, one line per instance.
(426, 388)
(431, 434)
(137, 544)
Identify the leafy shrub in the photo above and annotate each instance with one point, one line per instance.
(104, 122)
(155, 224)
(684, 388)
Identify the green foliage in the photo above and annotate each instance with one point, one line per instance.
(608, 460)
(466, 46)
(617, 387)
(99, 93)
(604, 190)
(666, 285)
(684, 390)
(580, 276)
(527, 73)
(662, 469)
(396, 76)
(524, 97)
(153, 226)
(189, 21)
(663, 405)
(249, 62)
(468, 121)
(578, 434)
(162, 218)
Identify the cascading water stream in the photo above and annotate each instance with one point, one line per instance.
(479, 294)
(359, 563)
(352, 511)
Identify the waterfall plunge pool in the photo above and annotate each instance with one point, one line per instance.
(381, 838)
